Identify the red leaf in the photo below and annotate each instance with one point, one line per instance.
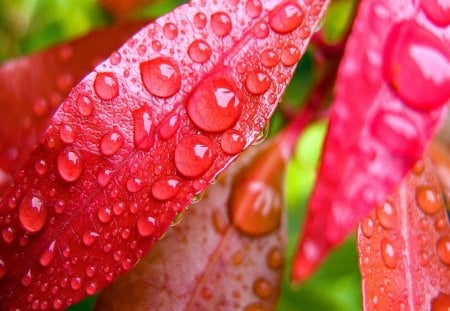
(32, 87)
(404, 247)
(392, 87)
(232, 242)
(96, 204)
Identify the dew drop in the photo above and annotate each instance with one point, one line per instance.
(104, 214)
(166, 188)
(144, 131)
(118, 208)
(142, 49)
(214, 105)
(200, 20)
(32, 213)
(70, 165)
(90, 271)
(161, 77)
(75, 283)
(104, 176)
(388, 253)
(3, 269)
(111, 142)
(443, 249)
(261, 30)
(286, 18)
(253, 8)
(262, 288)
(199, 51)
(417, 65)
(106, 86)
(47, 256)
(257, 82)
(91, 288)
(275, 259)
(262, 135)
(84, 105)
(170, 31)
(89, 237)
(237, 258)
(115, 58)
(169, 127)
(221, 24)
(193, 156)
(67, 134)
(386, 215)
(146, 225)
(41, 167)
(232, 142)
(177, 220)
(269, 58)
(57, 304)
(8, 235)
(134, 185)
(27, 279)
(290, 55)
(368, 227)
(428, 199)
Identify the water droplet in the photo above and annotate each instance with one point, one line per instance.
(57, 304)
(84, 105)
(368, 227)
(115, 58)
(144, 131)
(221, 24)
(27, 278)
(177, 220)
(443, 249)
(261, 30)
(91, 288)
(32, 213)
(134, 184)
(253, 8)
(388, 253)
(290, 55)
(169, 127)
(161, 77)
(106, 86)
(257, 82)
(47, 256)
(104, 214)
(262, 135)
(118, 208)
(232, 142)
(193, 156)
(111, 142)
(275, 258)
(104, 176)
(438, 11)
(262, 288)
(90, 271)
(41, 167)
(67, 133)
(214, 106)
(89, 237)
(70, 165)
(199, 51)
(269, 58)
(428, 199)
(170, 31)
(418, 168)
(200, 20)
(166, 188)
(8, 235)
(146, 225)
(386, 215)
(75, 283)
(286, 18)
(237, 258)
(206, 293)
(3, 269)
(417, 66)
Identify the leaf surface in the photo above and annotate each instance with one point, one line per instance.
(152, 126)
(404, 247)
(392, 87)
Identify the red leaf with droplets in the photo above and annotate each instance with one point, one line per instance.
(32, 87)
(404, 247)
(232, 242)
(391, 91)
(97, 193)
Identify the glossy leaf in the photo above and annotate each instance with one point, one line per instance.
(404, 247)
(391, 91)
(147, 135)
(32, 87)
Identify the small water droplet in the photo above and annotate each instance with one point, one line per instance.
(275, 258)
(47, 256)
(111, 142)
(262, 288)
(104, 176)
(3, 269)
(75, 283)
(166, 188)
(262, 135)
(214, 105)
(90, 271)
(91, 288)
(388, 253)
(66, 133)
(8, 235)
(200, 20)
(418, 168)
(106, 85)
(115, 58)
(32, 213)
(261, 30)
(199, 51)
(146, 225)
(134, 184)
(232, 142)
(41, 167)
(118, 208)
(27, 279)
(257, 82)
(104, 214)
(386, 215)
(170, 31)
(161, 77)
(169, 127)
(89, 237)
(253, 8)
(286, 18)
(428, 199)
(221, 24)
(177, 220)
(57, 304)
(368, 227)
(290, 55)
(144, 131)
(84, 105)
(443, 249)
(194, 156)
(269, 58)
(70, 165)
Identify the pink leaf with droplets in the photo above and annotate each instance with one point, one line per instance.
(392, 87)
(404, 247)
(116, 179)
(32, 87)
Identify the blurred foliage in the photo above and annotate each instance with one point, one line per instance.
(27, 26)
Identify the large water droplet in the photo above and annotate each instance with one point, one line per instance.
(290, 55)
(200, 20)
(221, 24)
(438, 11)
(386, 215)
(111, 142)
(70, 165)
(170, 31)
(161, 77)
(89, 237)
(32, 213)
(428, 199)
(417, 65)
(104, 214)
(47, 256)
(286, 18)
(75, 283)
(66, 133)
(257, 82)
(169, 127)
(443, 249)
(144, 131)
(261, 30)
(232, 142)
(166, 188)
(262, 288)
(106, 86)
(3, 269)
(269, 58)
(146, 225)
(388, 253)
(84, 105)
(199, 51)
(253, 8)
(214, 106)
(194, 156)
